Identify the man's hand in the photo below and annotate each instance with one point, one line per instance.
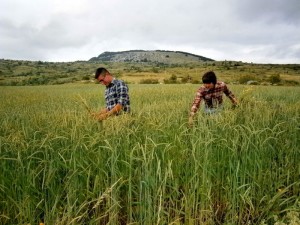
(104, 113)
(97, 114)
(191, 121)
(94, 114)
(101, 117)
(234, 106)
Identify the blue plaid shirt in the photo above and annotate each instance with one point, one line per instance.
(117, 93)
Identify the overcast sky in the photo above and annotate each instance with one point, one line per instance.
(260, 31)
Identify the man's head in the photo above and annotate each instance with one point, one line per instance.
(103, 76)
(209, 79)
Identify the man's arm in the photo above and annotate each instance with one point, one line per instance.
(122, 93)
(230, 95)
(97, 114)
(195, 106)
(115, 110)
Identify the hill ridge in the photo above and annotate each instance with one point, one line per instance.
(158, 56)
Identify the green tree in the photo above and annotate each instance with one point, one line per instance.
(274, 79)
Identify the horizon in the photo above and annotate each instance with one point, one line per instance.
(158, 50)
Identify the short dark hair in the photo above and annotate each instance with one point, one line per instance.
(209, 77)
(100, 71)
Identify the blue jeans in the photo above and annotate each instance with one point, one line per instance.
(210, 111)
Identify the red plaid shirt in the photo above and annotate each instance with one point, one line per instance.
(213, 98)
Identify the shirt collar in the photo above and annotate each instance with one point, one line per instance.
(112, 83)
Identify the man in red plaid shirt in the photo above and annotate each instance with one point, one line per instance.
(212, 94)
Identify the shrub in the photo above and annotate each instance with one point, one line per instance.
(186, 79)
(196, 82)
(149, 81)
(171, 80)
(155, 70)
(245, 78)
(86, 77)
(274, 79)
(291, 82)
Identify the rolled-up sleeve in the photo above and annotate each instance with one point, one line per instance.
(228, 93)
(196, 102)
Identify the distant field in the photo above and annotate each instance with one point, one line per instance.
(17, 73)
(59, 166)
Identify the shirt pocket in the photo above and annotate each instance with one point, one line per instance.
(112, 97)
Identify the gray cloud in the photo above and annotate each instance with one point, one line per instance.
(269, 11)
(80, 29)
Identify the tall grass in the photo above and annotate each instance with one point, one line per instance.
(59, 166)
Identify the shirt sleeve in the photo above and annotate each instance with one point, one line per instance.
(196, 102)
(122, 90)
(228, 93)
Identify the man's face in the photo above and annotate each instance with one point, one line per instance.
(104, 79)
(209, 85)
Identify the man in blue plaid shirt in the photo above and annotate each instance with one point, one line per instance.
(116, 95)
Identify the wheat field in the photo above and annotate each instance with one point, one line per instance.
(59, 166)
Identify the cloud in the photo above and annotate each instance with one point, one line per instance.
(256, 31)
(269, 11)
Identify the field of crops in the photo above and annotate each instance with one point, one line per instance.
(59, 166)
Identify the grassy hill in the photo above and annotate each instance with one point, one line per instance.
(146, 67)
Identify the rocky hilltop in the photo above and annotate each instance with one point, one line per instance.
(158, 56)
